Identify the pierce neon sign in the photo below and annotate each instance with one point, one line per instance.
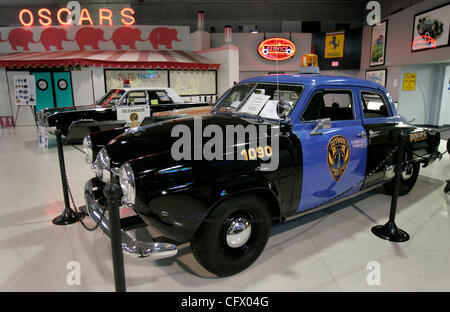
(276, 49)
(64, 17)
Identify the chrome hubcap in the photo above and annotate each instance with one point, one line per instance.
(407, 173)
(238, 232)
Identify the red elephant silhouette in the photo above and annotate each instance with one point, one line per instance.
(53, 37)
(19, 37)
(163, 36)
(126, 36)
(89, 36)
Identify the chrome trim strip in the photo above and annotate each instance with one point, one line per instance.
(131, 246)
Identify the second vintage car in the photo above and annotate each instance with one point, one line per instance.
(116, 108)
(332, 137)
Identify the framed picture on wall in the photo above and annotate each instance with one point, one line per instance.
(378, 44)
(378, 76)
(431, 29)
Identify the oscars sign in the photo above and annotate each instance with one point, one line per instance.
(276, 49)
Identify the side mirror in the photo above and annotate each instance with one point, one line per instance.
(321, 124)
(283, 109)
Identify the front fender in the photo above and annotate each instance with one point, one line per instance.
(177, 196)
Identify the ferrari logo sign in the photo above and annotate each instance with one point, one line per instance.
(338, 154)
(334, 44)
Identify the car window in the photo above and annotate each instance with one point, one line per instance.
(136, 98)
(159, 97)
(260, 99)
(374, 105)
(237, 95)
(110, 98)
(333, 104)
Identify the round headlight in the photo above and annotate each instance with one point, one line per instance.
(87, 148)
(126, 178)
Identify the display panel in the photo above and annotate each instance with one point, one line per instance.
(431, 29)
(378, 44)
(136, 78)
(194, 82)
(378, 76)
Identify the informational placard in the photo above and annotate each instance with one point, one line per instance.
(254, 104)
(133, 113)
(24, 90)
(409, 81)
(270, 110)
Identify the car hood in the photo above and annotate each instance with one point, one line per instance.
(157, 138)
(46, 112)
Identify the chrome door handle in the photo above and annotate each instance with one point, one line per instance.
(374, 133)
(362, 134)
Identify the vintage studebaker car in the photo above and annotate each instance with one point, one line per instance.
(330, 138)
(116, 108)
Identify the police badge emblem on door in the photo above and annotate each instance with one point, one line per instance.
(338, 154)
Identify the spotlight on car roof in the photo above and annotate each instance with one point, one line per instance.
(310, 64)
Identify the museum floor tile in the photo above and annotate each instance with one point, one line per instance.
(330, 250)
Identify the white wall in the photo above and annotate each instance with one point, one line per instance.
(228, 58)
(83, 93)
(400, 59)
(445, 101)
(26, 113)
(5, 106)
(251, 64)
(98, 81)
(428, 102)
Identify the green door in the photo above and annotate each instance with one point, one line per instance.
(44, 90)
(63, 89)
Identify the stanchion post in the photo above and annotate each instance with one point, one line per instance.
(68, 216)
(112, 194)
(390, 231)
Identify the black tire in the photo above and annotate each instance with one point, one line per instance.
(407, 184)
(209, 244)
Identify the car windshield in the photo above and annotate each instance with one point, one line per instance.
(259, 99)
(110, 98)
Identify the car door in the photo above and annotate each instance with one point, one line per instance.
(378, 120)
(334, 159)
(134, 106)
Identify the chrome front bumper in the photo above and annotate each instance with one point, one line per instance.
(130, 245)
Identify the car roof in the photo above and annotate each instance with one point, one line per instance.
(312, 80)
(143, 88)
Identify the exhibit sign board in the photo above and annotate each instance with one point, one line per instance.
(431, 29)
(378, 44)
(409, 81)
(95, 38)
(378, 76)
(276, 49)
(133, 113)
(116, 79)
(24, 90)
(334, 44)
